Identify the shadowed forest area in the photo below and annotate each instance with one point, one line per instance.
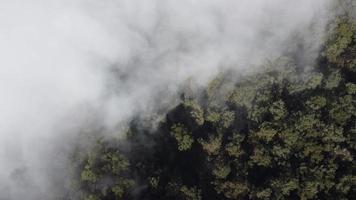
(284, 132)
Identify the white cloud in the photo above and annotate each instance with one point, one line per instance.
(58, 57)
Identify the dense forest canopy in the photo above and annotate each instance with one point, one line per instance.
(285, 132)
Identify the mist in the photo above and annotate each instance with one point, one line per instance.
(70, 64)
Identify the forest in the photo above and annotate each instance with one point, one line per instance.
(287, 131)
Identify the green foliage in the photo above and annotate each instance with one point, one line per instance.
(340, 40)
(221, 172)
(116, 163)
(316, 102)
(96, 166)
(91, 197)
(264, 194)
(120, 188)
(153, 181)
(343, 109)
(232, 190)
(243, 96)
(313, 81)
(333, 80)
(88, 175)
(183, 138)
(260, 157)
(351, 88)
(220, 119)
(278, 110)
(190, 193)
(266, 133)
(211, 146)
(233, 147)
(195, 111)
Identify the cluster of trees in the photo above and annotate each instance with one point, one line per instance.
(286, 132)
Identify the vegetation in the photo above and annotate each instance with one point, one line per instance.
(287, 132)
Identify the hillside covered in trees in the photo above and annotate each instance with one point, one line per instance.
(285, 132)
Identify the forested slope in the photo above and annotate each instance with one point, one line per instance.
(286, 132)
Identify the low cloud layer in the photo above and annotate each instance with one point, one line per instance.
(66, 63)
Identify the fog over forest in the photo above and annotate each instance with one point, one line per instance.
(74, 72)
